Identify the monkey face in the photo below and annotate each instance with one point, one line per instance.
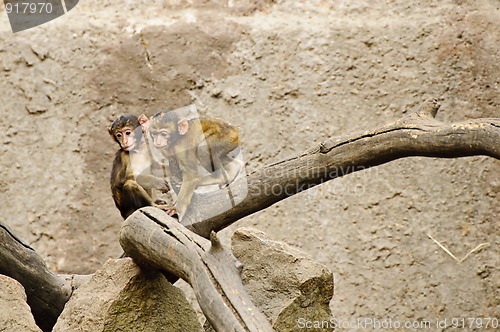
(123, 131)
(126, 138)
(160, 138)
(162, 133)
(168, 131)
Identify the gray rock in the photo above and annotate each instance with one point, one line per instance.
(287, 285)
(15, 314)
(122, 297)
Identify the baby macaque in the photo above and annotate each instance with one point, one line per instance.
(131, 184)
(199, 141)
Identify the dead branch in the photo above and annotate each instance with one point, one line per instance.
(418, 134)
(47, 292)
(152, 238)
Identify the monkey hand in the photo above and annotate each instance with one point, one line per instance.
(144, 121)
(173, 213)
(169, 209)
(181, 211)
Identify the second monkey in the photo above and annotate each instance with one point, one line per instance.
(196, 142)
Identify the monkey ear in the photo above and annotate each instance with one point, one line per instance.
(144, 121)
(183, 126)
(110, 131)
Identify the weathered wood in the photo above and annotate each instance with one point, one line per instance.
(153, 238)
(47, 293)
(418, 134)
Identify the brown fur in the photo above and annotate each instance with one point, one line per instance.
(131, 192)
(184, 141)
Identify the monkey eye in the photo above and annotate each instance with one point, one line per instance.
(128, 132)
(164, 135)
(119, 135)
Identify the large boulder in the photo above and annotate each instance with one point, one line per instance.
(290, 288)
(15, 314)
(123, 297)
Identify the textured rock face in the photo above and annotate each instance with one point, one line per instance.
(289, 74)
(287, 285)
(15, 314)
(121, 297)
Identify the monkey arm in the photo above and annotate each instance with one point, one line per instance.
(188, 165)
(185, 194)
(224, 175)
(148, 181)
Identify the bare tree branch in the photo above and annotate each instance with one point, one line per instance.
(418, 134)
(47, 293)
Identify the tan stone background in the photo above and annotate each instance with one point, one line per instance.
(289, 74)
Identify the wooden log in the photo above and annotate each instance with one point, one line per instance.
(47, 293)
(156, 240)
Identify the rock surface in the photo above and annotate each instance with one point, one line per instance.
(15, 314)
(289, 74)
(121, 297)
(286, 284)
